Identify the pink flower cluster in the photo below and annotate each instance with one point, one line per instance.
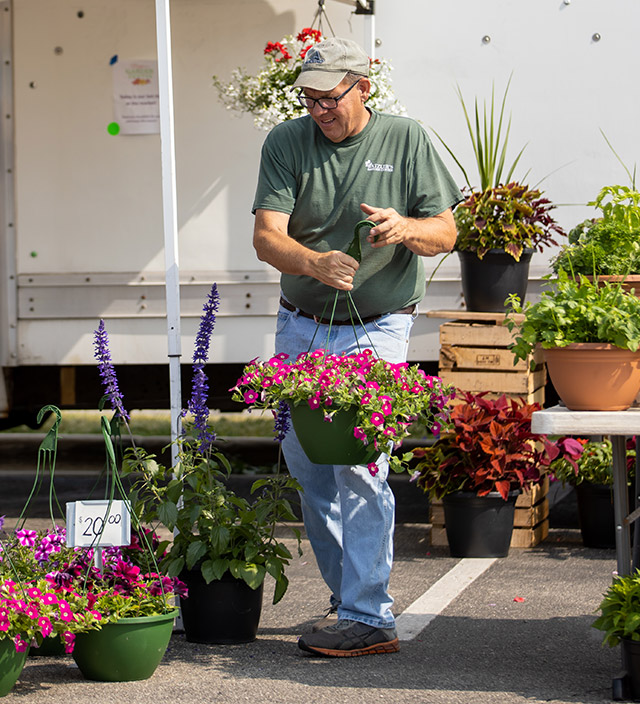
(388, 397)
(30, 611)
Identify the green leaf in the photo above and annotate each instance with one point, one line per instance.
(168, 514)
(195, 552)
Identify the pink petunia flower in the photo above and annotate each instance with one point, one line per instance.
(45, 626)
(69, 641)
(250, 396)
(377, 418)
(373, 468)
(26, 537)
(359, 434)
(21, 645)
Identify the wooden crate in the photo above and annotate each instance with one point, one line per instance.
(530, 521)
(474, 356)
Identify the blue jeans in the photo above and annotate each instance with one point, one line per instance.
(348, 515)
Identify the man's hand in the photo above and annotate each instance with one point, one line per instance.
(274, 245)
(423, 236)
(335, 269)
(391, 227)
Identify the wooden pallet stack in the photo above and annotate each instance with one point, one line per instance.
(530, 523)
(474, 356)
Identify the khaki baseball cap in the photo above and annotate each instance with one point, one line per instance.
(327, 63)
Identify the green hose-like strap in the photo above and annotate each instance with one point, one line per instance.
(355, 248)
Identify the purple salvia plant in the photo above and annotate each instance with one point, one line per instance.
(199, 384)
(281, 424)
(107, 372)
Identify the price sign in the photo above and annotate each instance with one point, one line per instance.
(102, 524)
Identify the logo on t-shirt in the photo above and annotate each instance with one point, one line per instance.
(377, 167)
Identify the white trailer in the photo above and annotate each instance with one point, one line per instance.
(81, 209)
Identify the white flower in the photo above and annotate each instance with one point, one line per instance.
(267, 95)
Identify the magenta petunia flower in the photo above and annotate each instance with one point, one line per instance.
(26, 537)
(377, 418)
(34, 592)
(49, 598)
(250, 396)
(69, 641)
(373, 468)
(313, 402)
(45, 626)
(359, 434)
(21, 645)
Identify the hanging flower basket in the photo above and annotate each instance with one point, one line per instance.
(266, 94)
(384, 399)
(334, 442)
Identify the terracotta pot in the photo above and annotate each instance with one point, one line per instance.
(593, 376)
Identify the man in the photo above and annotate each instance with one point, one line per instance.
(318, 175)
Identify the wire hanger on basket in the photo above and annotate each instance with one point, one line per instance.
(354, 250)
(321, 14)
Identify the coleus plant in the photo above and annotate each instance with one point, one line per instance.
(510, 217)
(490, 448)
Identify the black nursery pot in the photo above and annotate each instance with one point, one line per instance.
(596, 516)
(487, 282)
(479, 526)
(225, 611)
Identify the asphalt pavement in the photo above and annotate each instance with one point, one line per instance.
(520, 632)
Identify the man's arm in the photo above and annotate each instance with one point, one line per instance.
(274, 246)
(423, 236)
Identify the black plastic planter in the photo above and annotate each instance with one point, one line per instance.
(487, 282)
(595, 512)
(225, 611)
(479, 526)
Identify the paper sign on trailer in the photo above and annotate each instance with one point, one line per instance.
(101, 523)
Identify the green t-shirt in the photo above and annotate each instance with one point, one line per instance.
(320, 184)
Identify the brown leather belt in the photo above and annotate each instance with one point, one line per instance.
(326, 321)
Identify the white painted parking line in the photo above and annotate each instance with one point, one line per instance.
(426, 607)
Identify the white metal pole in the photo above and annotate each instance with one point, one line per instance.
(170, 219)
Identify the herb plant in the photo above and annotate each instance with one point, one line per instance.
(610, 244)
(576, 310)
(490, 448)
(620, 610)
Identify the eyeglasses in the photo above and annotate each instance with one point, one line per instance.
(324, 103)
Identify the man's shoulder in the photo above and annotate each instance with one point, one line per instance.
(291, 129)
(398, 122)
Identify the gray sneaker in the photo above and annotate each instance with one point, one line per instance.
(349, 639)
(329, 619)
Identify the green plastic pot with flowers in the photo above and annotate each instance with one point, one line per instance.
(370, 400)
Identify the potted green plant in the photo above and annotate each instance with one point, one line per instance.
(606, 247)
(620, 620)
(501, 222)
(590, 334)
(346, 409)
(592, 478)
(481, 465)
(222, 545)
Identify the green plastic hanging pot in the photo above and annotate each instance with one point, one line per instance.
(330, 442)
(51, 647)
(129, 649)
(11, 665)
